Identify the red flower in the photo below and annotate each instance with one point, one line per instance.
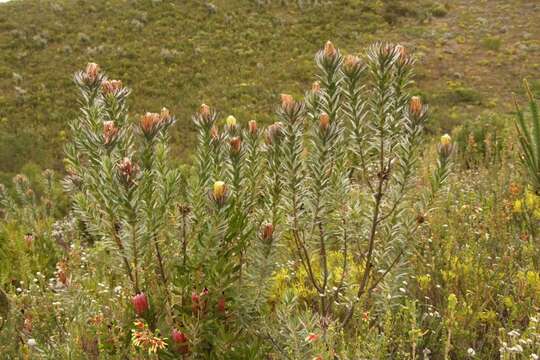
(140, 303)
(180, 340)
(312, 337)
(221, 304)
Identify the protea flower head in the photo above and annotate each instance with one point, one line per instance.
(402, 53)
(445, 146)
(274, 132)
(415, 106)
(111, 86)
(287, 101)
(329, 50)
(230, 121)
(140, 303)
(267, 231)
(180, 340)
(91, 73)
(149, 122)
(236, 144)
(109, 131)
(219, 191)
(204, 110)
(324, 121)
(252, 127)
(351, 63)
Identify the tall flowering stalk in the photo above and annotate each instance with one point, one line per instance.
(119, 177)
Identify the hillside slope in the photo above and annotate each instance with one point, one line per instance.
(238, 55)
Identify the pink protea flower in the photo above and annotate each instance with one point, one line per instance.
(180, 341)
(140, 303)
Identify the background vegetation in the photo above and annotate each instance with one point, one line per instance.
(472, 55)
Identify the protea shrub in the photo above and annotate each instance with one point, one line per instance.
(327, 195)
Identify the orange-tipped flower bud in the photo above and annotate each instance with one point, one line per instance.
(324, 121)
(111, 86)
(127, 169)
(267, 231)
(402, 53)
(329, 50)
(287, 101)
(415, 106)
(273, 132)
(252, 127)
(236, 144)
(92, 72)
(351, 63)
(148, 122)
(214, 133)
(109, 131)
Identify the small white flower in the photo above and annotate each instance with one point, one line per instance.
(534, 357)
(31, 342)
(471, 352)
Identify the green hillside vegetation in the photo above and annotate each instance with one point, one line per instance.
(232, 54)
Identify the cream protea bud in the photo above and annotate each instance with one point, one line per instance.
(140, 303)
(402, 53)
(287, 101)
(445, 146)
(204, 110)
(214, 133)
(415, 106)
(351, 63)
(128, 170)
(324, 121)
(236, 144)
(316, 87)
(329, 50)
(219, 191)
(273, 133)
(252, 127)
(267, 232)
(165, 114)
(92, 72)
(109, 131)
(111, 86)
(148, 122)
(230, 121)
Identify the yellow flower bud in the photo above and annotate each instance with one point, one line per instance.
(446, 140)
(219, 190)
(231, 121)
